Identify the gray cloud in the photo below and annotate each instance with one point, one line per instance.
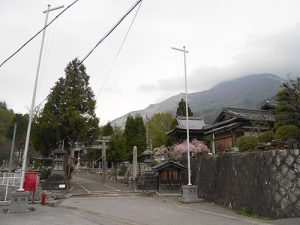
(276, 53)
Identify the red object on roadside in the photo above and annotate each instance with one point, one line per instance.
(44, 196)
(30, 181)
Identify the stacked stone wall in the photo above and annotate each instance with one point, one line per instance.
(266, 183)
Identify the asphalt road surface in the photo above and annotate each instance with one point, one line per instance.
(95, 202)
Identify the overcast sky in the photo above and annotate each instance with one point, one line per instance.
(225, 39)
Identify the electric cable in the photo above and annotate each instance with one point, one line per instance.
(110, 31)
(118, 53)
(34, 36)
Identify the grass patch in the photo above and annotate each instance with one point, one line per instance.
(249, 213)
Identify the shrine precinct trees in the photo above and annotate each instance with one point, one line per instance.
(69, 113)
(181, 109)
(117, 150)
(158, 125)
(135, 135)
(288, 110)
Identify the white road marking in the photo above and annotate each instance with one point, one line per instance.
(112, 187)
(84, 188)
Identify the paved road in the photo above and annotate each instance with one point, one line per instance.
(114, 205)
(93, 184)
(132, 210)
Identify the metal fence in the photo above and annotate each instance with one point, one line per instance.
(9, 182)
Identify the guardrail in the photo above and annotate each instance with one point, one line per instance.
(8, 183)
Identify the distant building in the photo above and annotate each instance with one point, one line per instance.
(233, 123)
(269, 105)
(196, 125)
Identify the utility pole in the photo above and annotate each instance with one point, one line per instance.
(189, 191)
(147, 131)
(33, 100)
(187, 114)
(12, 149)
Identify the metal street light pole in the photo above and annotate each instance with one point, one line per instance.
(33, 100)
(187, 114)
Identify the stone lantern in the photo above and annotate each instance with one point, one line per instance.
(57, 180)
(58, 164)
(148, 158)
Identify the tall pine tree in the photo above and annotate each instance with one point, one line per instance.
(135, 135)
(117, 150)
(181, 109)
(108, 130)
(69, 113)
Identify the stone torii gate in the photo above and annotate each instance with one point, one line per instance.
(103, 144)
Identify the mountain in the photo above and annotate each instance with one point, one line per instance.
(243, 92)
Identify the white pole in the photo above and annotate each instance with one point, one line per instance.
(33, 101)
(213, 144)
(12, 149)
(187, 114)
(6, 190)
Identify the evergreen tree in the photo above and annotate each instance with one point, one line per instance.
(288, 110)
(181, 109)
(69, 113)
(6, 116)
(117, 150)
(3, 105)
(108, 130)
(135, 135)
(22, 124)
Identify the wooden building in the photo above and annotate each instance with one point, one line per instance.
(170, 177)
(195, 128)
(233, 123)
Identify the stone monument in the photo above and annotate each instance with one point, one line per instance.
(134, 163)
(19, 202)
(58, 178)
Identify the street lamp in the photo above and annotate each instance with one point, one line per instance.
(33, 100)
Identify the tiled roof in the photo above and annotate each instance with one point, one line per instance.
(249, 114)
(167, 164)
(213, 129)
(221, 123)
(195, 123)
(269, 105)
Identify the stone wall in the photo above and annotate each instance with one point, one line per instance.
(266, 183)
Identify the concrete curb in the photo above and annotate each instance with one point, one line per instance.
(54, 203)
(185, 201)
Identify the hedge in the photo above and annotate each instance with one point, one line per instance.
(266, 137)
(247, 143)
(286, 131)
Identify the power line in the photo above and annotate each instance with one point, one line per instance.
(118, 53)
(110, 31)
(34, 36)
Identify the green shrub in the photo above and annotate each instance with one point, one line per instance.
(122, 170)
(44, 173)
(266, 137)
(247, 143)
(286, 131)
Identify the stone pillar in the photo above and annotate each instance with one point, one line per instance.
(213, 147)
(103, 162)
(134, 163)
